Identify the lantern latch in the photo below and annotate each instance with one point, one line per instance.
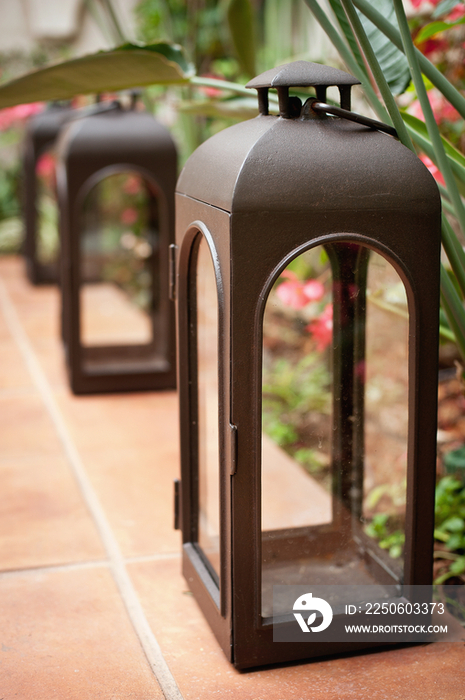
(233, 446)
(172, 272)
(177, 504)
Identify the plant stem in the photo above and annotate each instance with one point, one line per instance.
(348, 58)
(454, 252)
(120, 36)
(224, 85)
(442, 160)
(453, 309)
(431, 72)
(377, 73)
(445, 555)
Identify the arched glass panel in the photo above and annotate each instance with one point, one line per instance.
(208, 525)
(120, 268)
(335, 423)
(47, 237)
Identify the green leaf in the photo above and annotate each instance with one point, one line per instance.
(392, 61)
(454, 524)
(444, 7)
(241, 25)
(458, 566)
(421, 136)
(434, 28)
(125, 67)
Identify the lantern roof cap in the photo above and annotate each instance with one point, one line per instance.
(302, 74)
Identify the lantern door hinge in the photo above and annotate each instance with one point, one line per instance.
(177, 504)
(233, 447)
(172, 271)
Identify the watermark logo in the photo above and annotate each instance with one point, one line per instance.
(307, 603)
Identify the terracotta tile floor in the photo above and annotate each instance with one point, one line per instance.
(92, 603)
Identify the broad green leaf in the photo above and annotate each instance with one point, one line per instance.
(433, 28)
(348, 33)
(126, 67)
(241, 25)
(392, 61)
(436, 77)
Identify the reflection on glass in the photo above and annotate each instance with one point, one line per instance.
(119, 261)
(207, 372)
(334, 446)
(47, 239)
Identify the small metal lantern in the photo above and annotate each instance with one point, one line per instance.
(41, 134)
(116, 179)
(303, 213)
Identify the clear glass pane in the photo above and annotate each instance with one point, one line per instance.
(334, 422)
(208, 398)
(119, 262)
(47, 237)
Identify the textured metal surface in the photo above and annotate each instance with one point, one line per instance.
(262, 192)
(90, 148)
(302, 74)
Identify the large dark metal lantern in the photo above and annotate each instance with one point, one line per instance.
(307, 250)
(41, 134)
(116, 179)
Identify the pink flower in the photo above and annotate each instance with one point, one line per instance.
(132, 185)
(313, 290)
(45, 167)
(129, 216)
(211, 91)
(322, 328)
(434, 170)
(292, 294)
(418, 3)
(442, 109)
(457, 13)
(12, 115)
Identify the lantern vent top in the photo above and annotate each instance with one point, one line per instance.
(301, 74)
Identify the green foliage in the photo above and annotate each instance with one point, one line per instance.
(241, 25)
(11, 234)
(381, 529)
(292, 393)
(125, 67)
(450, 513)
(9, 182)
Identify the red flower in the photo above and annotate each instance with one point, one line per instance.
(129, 216)
(211, 91)
(45, 165)
(322, 328)
(12, 115)
(132, 185)
(434, 170)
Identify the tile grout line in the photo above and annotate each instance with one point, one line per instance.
(86, 564)
(121, 577)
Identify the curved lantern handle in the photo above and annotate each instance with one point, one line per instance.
(353, 117)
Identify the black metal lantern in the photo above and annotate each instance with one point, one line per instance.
(307, 293)
(40, 228)
(116, 179)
